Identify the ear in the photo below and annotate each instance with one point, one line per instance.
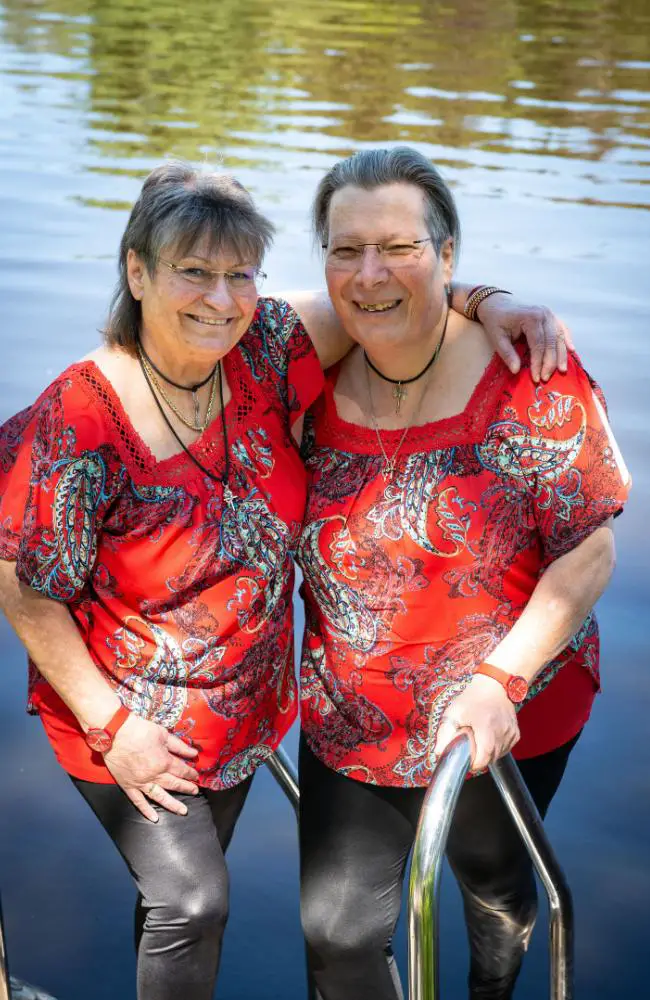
(136, 272)
(447, 260)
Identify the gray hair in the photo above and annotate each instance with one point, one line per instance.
(372, 168)
(179, 206)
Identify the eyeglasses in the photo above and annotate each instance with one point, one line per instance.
(240, 279)
(393, 255)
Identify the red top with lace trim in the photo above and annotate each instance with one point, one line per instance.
(184, 604)
(411, 583)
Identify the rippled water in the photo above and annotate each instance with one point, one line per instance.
(539, 114)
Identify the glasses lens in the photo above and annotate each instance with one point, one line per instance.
(393, 256)
(246, 278)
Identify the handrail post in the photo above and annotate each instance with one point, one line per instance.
(285, 773)
(526, 817)
(426, 865)
(428, 850)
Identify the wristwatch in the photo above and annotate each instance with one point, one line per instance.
(515, 686)
(101, 740)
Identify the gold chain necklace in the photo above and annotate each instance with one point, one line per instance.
(388, 468)
(198, 425)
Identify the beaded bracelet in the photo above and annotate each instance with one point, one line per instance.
(478, 295)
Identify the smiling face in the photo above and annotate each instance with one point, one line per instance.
(380, 307)
(185, 321)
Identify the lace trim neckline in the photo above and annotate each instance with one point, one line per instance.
(458, 428)
(131, 446)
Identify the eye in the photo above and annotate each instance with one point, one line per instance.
(346, 253)
(193, 273)
(241, 277)
(399, 249)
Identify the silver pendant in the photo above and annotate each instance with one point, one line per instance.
(228, 496)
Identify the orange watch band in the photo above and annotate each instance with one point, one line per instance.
(515, 686)
(101, 740)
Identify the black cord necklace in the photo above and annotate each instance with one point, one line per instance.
(399, 392)
(228, 495)
(177, 385)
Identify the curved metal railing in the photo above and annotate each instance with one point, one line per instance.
(428, 850)
(430, 842)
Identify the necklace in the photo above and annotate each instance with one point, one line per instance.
(399, 392)
(388, 468)
(228, 495)
(197, 424)
(194, 389)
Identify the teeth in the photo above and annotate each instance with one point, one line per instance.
(211, 322)
(378, 306)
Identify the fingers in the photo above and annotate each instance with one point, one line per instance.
(156, 793)
(568, 338)
(173, 783)
(180, 769)
(507, 353)
(177, 746)
(141, 804)
(534, 333)
(490, 748)
(550, 356)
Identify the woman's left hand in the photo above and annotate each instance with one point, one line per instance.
(485, 712)
(504, 320)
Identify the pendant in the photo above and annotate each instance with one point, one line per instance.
(228, 496)
(399, 393)
(388, 469)
(197, 408)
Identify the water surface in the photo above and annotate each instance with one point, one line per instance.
(539, 115)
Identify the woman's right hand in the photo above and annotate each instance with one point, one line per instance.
(147, 762)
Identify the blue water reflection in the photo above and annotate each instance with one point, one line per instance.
(540, 116)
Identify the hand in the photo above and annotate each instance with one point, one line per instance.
(486, 713)
(146, 761)
(505, 320)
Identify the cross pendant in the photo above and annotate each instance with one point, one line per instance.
(229, 497)
(399, 393)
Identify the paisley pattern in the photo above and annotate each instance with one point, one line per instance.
(185, 604)
(411, 583)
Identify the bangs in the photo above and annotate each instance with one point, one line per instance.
(233, 227)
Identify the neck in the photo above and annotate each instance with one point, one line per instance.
(186, 371)
(409, 359)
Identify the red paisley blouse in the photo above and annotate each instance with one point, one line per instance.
(185, 605)
(410, 583)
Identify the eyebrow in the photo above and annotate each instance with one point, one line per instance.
(356, 237)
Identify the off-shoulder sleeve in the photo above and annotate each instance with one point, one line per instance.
(564, 451)
(57, 480)
(288, 356)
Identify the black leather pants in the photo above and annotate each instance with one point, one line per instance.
(355, 841)
(179, 868)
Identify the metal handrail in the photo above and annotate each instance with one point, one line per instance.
(430, 842)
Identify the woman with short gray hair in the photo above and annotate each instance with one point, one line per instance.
(457, 534)
(151, 502)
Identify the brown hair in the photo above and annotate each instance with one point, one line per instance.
(178, 206)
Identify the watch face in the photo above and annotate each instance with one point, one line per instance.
(517, 689)
(99, 740)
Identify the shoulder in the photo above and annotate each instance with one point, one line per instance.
(277, 335)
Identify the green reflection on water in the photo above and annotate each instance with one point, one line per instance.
(568, 78)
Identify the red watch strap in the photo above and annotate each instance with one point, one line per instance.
(516, 687)
(117, 721)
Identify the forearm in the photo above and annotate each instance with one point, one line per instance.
(558, 606)
(460, 294)
(50, 636)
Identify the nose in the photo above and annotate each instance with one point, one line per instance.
(372, 270)
(219, 294)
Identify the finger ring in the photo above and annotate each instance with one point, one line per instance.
(153, 787)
